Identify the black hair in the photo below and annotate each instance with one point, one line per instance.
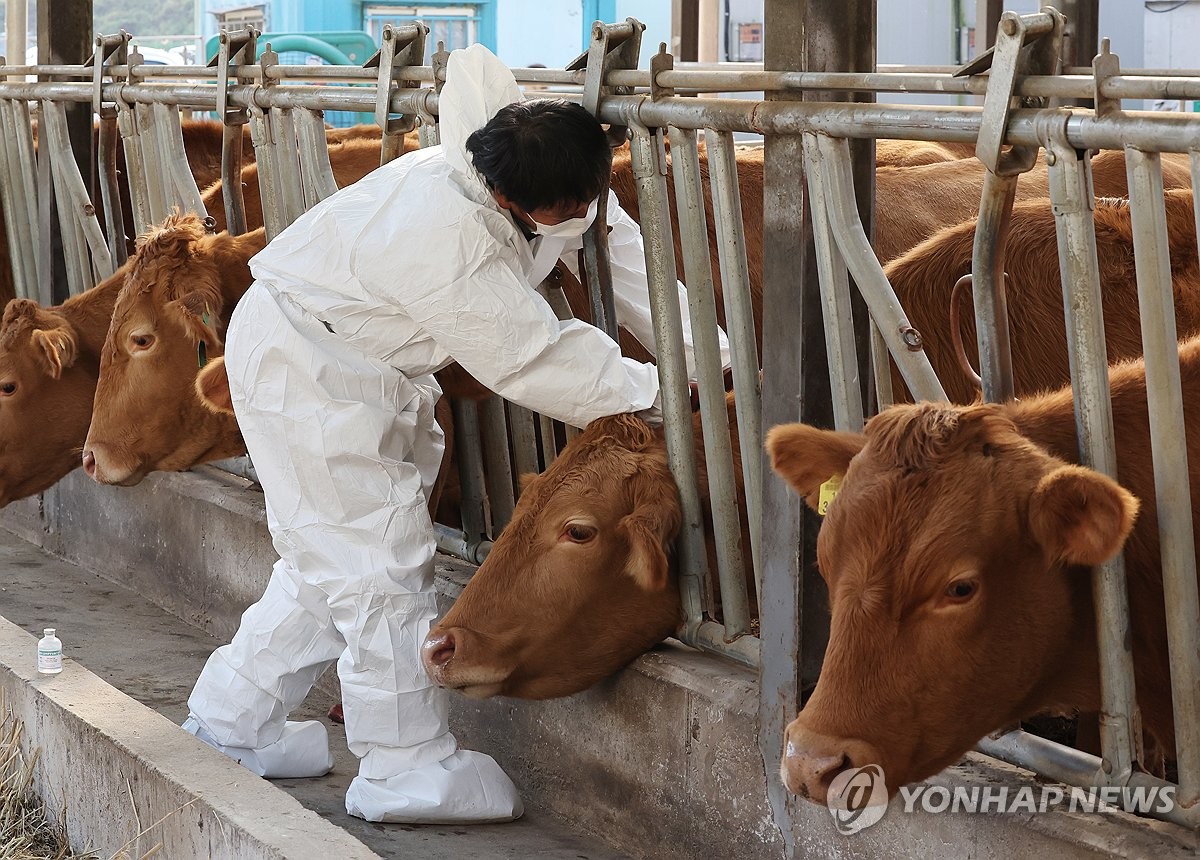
(543, 153)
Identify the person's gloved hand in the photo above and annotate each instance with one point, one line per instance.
(652, 416)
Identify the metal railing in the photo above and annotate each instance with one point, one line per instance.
(496, 441)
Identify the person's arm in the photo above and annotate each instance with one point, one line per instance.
(505, 335)
(631, 292)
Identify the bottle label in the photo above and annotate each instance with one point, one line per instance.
(49, 659)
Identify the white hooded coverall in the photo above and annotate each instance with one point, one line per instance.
(330, 358)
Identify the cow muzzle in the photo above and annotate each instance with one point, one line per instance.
(100, 464)
(811, 761)
(455, 659)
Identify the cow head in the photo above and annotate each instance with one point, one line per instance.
(46, 390)
(182, 284)
(579, 583)
(955, 555)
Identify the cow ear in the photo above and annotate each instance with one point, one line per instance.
(807, 457)
(651, 527)
(1080, 516)
(200, 311)
(212, 387)
(525, 479)
(55, 348)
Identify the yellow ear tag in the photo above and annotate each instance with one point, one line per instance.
(829, 491)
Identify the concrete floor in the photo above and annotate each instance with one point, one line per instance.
(154, 657)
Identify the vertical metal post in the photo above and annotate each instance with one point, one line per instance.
(702, 307)
(499, 471)
(19, 208)
(16, 25)
(739, 324)
(1082, 37)
(991, 306)
(650, 173)
(1072, 198)
(821, 35)
(65, 38)
(987, 20)
(470, 473)
(1168, 443)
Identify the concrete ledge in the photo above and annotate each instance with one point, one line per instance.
(100, 749)
(660, 761)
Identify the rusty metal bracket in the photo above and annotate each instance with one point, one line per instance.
(1105, 65)
(400, 47)
(1025, 45)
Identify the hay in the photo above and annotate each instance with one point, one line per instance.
(25, 831)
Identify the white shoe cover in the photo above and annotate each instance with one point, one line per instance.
(301, 751)
(465, 788)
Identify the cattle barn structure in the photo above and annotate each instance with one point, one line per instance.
(678, 754)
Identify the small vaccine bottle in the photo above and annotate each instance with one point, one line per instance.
(49, 653)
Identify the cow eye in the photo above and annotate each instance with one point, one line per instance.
(8, 389)
(962, 590)
(577, 533)
(141, 342)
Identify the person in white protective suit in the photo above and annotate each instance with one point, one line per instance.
(330, 357)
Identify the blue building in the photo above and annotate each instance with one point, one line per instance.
(521, 32)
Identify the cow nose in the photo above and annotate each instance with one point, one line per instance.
(437, 651)
(812, 761)
(89, 464)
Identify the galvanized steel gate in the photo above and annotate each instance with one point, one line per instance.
(498, 441)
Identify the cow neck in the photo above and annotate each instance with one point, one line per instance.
(90, 313)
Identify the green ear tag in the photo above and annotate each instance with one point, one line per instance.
(202, 348)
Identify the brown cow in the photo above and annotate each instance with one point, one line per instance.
(606, 512)
(178, 296)
(923, 279)
(958, 555)
(49, 362)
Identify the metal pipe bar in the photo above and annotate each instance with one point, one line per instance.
(1075, 767)
(711, 636)
(650, 175)
(9, 181)
(231, 179)
(902, 339)
(739, 325)
(1168, 444)
(152, 167)
(1072, 201)
(89, 238)
(58, 146)
(1076, 82)
(186, 193)
(313, 147)
(269, 192)
(139, 193)
(522, 430)
(848, 414)
(451, 542)
(287, 159)
(470, 471)
(110, 189)
(26, 156)
(498, 465)
(881, 366)
(718, 450)
(18, 213)
(545, 428)
(46, 232)
(988, 280)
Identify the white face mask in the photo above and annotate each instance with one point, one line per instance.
(569, 229)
